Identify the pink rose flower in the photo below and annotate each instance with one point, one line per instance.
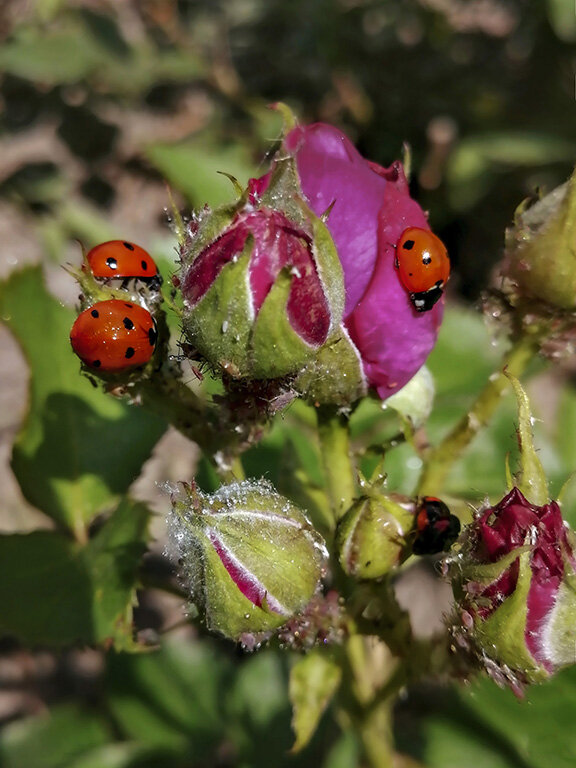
(371, 208)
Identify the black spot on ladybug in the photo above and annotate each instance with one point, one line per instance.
(111, 262)
(408, 245)
(129, 246)
(95, 313)
(130, 352)
(427, 259)
(96, 364)
(128, 324)
(128, 305)
(144, 264)
(152, 336)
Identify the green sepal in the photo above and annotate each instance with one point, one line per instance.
(284, 193)
(502, 636)
(219, 325)
(264, 551)
(275, 347)
(487, 573)
(226, 610)
(211, 224)
(370, 538)
(541, 247)
(530, 479)
(335, 375)
(271, 544)
(329, 269)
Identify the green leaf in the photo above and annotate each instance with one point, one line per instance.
(344, 752)
(54, 591)
(125, 755)
(447, 744)
(259, 711)
(540, 729)
(193, 168)
(58, 57)
(562, 19)
(171, 698)
(478, 160)
(314, 680)
(488, 727)
(78, 450)
(51, 740)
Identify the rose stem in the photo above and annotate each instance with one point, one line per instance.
(336, 458)
(440, 459)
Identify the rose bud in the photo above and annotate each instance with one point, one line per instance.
(370, 538)
(540, 258)
(261, 281)
(251, 560)
(514, 583)
(395, 270)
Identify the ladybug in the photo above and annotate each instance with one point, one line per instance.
(114, 335)
(121, 259)
(435, 527)
(423, 266)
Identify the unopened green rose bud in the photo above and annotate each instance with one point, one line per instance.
(251, 560)
(370, 539)
(541, 249)
(261, 280)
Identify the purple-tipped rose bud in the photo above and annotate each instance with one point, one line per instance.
(514, 583)
(370, 210)
(261, 281)
(250, 558)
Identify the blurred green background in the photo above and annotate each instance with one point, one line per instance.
(104, 105)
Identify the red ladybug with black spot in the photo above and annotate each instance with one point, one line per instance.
(423, 266)
(120, 259)
(114, 336)
(436, 529)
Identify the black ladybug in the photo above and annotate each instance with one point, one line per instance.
(435, 527)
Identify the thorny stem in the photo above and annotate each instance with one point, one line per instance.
(336, 458)
(172, 399)
(440, 459)
(199, 421)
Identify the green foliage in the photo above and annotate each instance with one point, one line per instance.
(194, 168)
(314, 680)
(78, 450)
(495, 730)
(67, 592)
(55, 740)
(98, 104)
